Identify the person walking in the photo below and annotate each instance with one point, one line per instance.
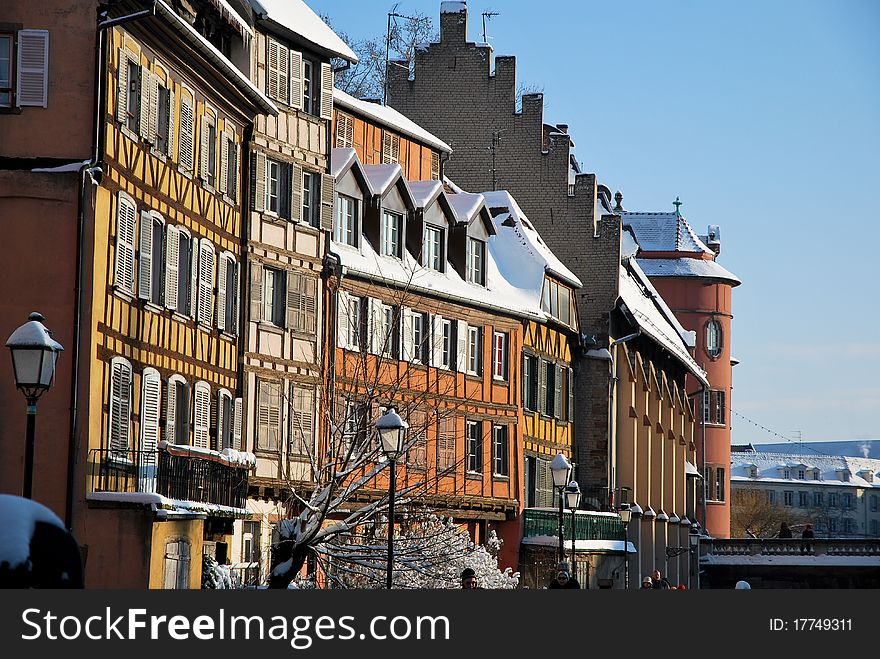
(469, 579)
(658, 581)
(646, 584)
(563, 578)
(784, 531)
(806, 536)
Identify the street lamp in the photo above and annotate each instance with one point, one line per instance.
(625, 517)
(392, 435)
(573, 499)
(560, 467)
(34, 353)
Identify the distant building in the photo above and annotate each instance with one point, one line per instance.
(856, 448)
(839, 495)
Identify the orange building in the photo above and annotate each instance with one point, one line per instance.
(682, 266)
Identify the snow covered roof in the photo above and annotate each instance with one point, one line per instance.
(654, 317)
(390, 117)
(425, 192)
(232, 17)
(663, 232)
(382, 177)
(687, 267)
(19, 516)
(466, 206)
(830, 468)
(297, 17)
(513, 227)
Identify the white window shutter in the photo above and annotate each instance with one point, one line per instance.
(296, 192)
(236, 425)
(272, 68)
(203, 155)
(170, 412)
(326, 91)
(145, 256)
(33, 68)
(376, 339)
(224, 161)
(557, 391)
(172, 263)
(461, 353)
(154, 109)
(122, 87)
(120, 406)
(259, 181)
(152, 385)
(187, 133)
(202, 415)
(146, 95)
(206, 281)
(194, 278)
(283, 74)
(436, 339)
(170, 136)
(296, 82)
(343, 320)
(125, 231)
(408, 347)
(222, 264)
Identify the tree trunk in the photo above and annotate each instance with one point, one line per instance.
(285, 551)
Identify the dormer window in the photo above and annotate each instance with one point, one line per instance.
(345, 226)
(391, 231)
(786, 473)
(432, 250)
(753, 471)
(476, 262)
(802, 474)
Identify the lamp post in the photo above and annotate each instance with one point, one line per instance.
(561, 469)
(392, 435)
(34, 353)
(625, 517)
(694, 539)
(573, 499)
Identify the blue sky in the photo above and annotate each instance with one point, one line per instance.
(764, 117)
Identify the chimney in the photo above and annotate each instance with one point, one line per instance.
(453, 22)
(713, 238)
(618, 202)
(562, 128)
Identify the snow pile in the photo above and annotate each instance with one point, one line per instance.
(228, 456)
(214, 575)
(18, 517)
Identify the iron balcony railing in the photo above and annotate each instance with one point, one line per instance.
(194, 478)
(588, 526)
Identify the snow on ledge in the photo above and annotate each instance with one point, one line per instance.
(448, 7)
(581, 545)
(227, 456)
(165, 507)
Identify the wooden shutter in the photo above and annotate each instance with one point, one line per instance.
(120, 406)
(461, 341)
(153, 123)
(146, 96)
(170, 136)
(435, 166)
(123, 276)
(187, 133)
(151, 390)
(145, 257)
(236, 169)
(222, 264)
(259, 181)
(256, 291)
(390, 147)
(296, 82)
(224, 161)
(172, 263)
(272, 68)
(407, 335)
(542, 386)
(221, 396)
(328, 193)
(33, 68)
(302, 420)
(203, 155)
(296, 189)
(122, 87)
(343, 319)
(283, 74)
(310, 304)
(436, 334)
(194, 277)
(344, 130)
(569, 408)
(557, 392)
(236, 425)
(326, 91)
(171, 412)
(294, 304)
(206, 281)
(202, 415)
(378, 340)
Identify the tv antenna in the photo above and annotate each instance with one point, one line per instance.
(488, 14)
(392, 15)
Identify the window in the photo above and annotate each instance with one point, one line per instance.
(345, 228)
(274, 294)
(206, 282)
(354, 426)
(278, 71)
(133, 95)
(310, 87)
(569, 388)
(268, 416)
(201, 414)
(227, 294)
(301, 302)
(151, 389)
(187, 131)
(273, 186)
(848, 525)
(476, 266)
(847, 500)
(804, 499)
(208, 169)
(180, 289)
(475, 350)
(832, 526)
(344, 130)
(499, 451)
(348, 321)
(720, 416)
(225, 420)
(558, 378)
(788, 497)
(771, 497)
(786, 473)
(415, 339)
(177, 411)
(556, 301)
(164, 125)
(119, 425)
(802, 474)
(474, 447)
(446, 443)
(390, 147)
(151, 260)
(832, 499)
(250, 542)
(389, 338)
(499, 355)
(530, 382)
(530, 479)
(874, 499)
(177, 565)
(752, 471)
(548, 389)
(719, 483)
(875, 527)
(417, 455)
(432, 254)
(817, 499)
(126, 225)
(713, 408)
(435, 166)
(6, 70)
(302, 420)
(311, 199)
(447, 344)
(713, 339)
(390, 240)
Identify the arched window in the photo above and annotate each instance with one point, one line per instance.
(120, 407)
(714, 342)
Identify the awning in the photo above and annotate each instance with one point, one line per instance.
(691, 470)
(587, 546)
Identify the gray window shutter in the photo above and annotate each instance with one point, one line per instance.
(202, 415)
(206, 281)
(153, 123)
(259, 181)
(171, 412)
(224, 161)
(33, 68)
(122, 87)
(203, 156)
(236, 425)
(272, 47)
(120, 406)
(222, 264)
(146, 95)
(187, 133)
(328, 193)
(170, 137)
(172, 263)
(569, 408)
(542, 386)
(557, 392)
(296, 83)
(326, 91)
(145, 256)
(256, 291)
(296, 187)
(295, 283)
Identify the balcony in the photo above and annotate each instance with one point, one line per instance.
(588, 525)
(179, 474)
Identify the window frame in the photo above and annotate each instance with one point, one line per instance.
(430, 255)
(714, 339)
(391, 237)
(311, 198)
(500, 450)
(345, 226)
(500, 351)
(473, 446)
(10, 90)
(474, 350)
(476, 261)
(274, 311)
(530, 382)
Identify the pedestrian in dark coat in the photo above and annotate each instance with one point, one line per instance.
(806, 536)
(784, 531)
(563, 578)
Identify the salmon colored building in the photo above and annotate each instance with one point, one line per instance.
(683, 268)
